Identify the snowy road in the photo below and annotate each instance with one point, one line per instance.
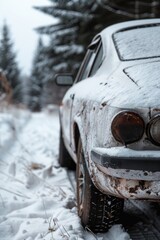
(37, 197)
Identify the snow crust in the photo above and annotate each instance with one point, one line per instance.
(37, 199)
(11, 122)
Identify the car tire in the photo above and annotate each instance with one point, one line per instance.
(98, 212)
(65, 159)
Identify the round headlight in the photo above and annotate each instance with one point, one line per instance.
(153, 130)
(127, 127)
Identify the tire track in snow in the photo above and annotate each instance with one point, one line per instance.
(140, 220)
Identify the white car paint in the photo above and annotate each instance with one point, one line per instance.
(91, 104)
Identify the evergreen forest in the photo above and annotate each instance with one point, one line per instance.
(77, 22)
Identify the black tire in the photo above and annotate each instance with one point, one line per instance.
(98, 212)
(65, 159)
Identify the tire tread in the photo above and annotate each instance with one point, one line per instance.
(105, 210)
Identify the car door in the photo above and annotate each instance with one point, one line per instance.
(92, 61)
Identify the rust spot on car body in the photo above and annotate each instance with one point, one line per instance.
(133, 190)
(141, 186)
(156, 109)
(104, 104)
(131, 187)
(125, 188)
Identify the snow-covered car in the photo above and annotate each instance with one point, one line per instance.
(110, 122)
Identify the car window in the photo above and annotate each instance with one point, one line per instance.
(138, 42)
(97, 62)
(89, 64)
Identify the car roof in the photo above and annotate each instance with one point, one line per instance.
(108, 33)
(129, 24)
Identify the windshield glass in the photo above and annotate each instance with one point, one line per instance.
(138, 43)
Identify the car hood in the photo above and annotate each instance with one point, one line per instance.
(137, 86)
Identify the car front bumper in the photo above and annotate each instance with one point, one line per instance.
(126, 173)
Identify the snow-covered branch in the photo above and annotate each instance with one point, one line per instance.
(135, 12)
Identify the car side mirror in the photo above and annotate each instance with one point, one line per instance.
(64, 79)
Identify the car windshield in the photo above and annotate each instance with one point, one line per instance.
(138, 43)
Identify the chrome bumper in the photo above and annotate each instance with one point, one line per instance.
(125, 158)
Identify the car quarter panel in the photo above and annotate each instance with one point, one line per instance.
(117, 86)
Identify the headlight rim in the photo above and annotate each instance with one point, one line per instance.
(135, 114)
(148, 129)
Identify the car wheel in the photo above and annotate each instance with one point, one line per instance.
(65, 159)
(98, 212)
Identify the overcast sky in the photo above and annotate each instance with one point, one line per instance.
(22, 19)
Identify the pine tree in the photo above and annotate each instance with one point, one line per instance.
(8, 62)
(37, 78)
(79, 21)
(68, 40)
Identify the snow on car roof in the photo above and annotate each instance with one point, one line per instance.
(138, 43)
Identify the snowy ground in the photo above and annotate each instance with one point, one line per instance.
(37, 198)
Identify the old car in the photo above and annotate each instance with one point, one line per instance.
(110, 122)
